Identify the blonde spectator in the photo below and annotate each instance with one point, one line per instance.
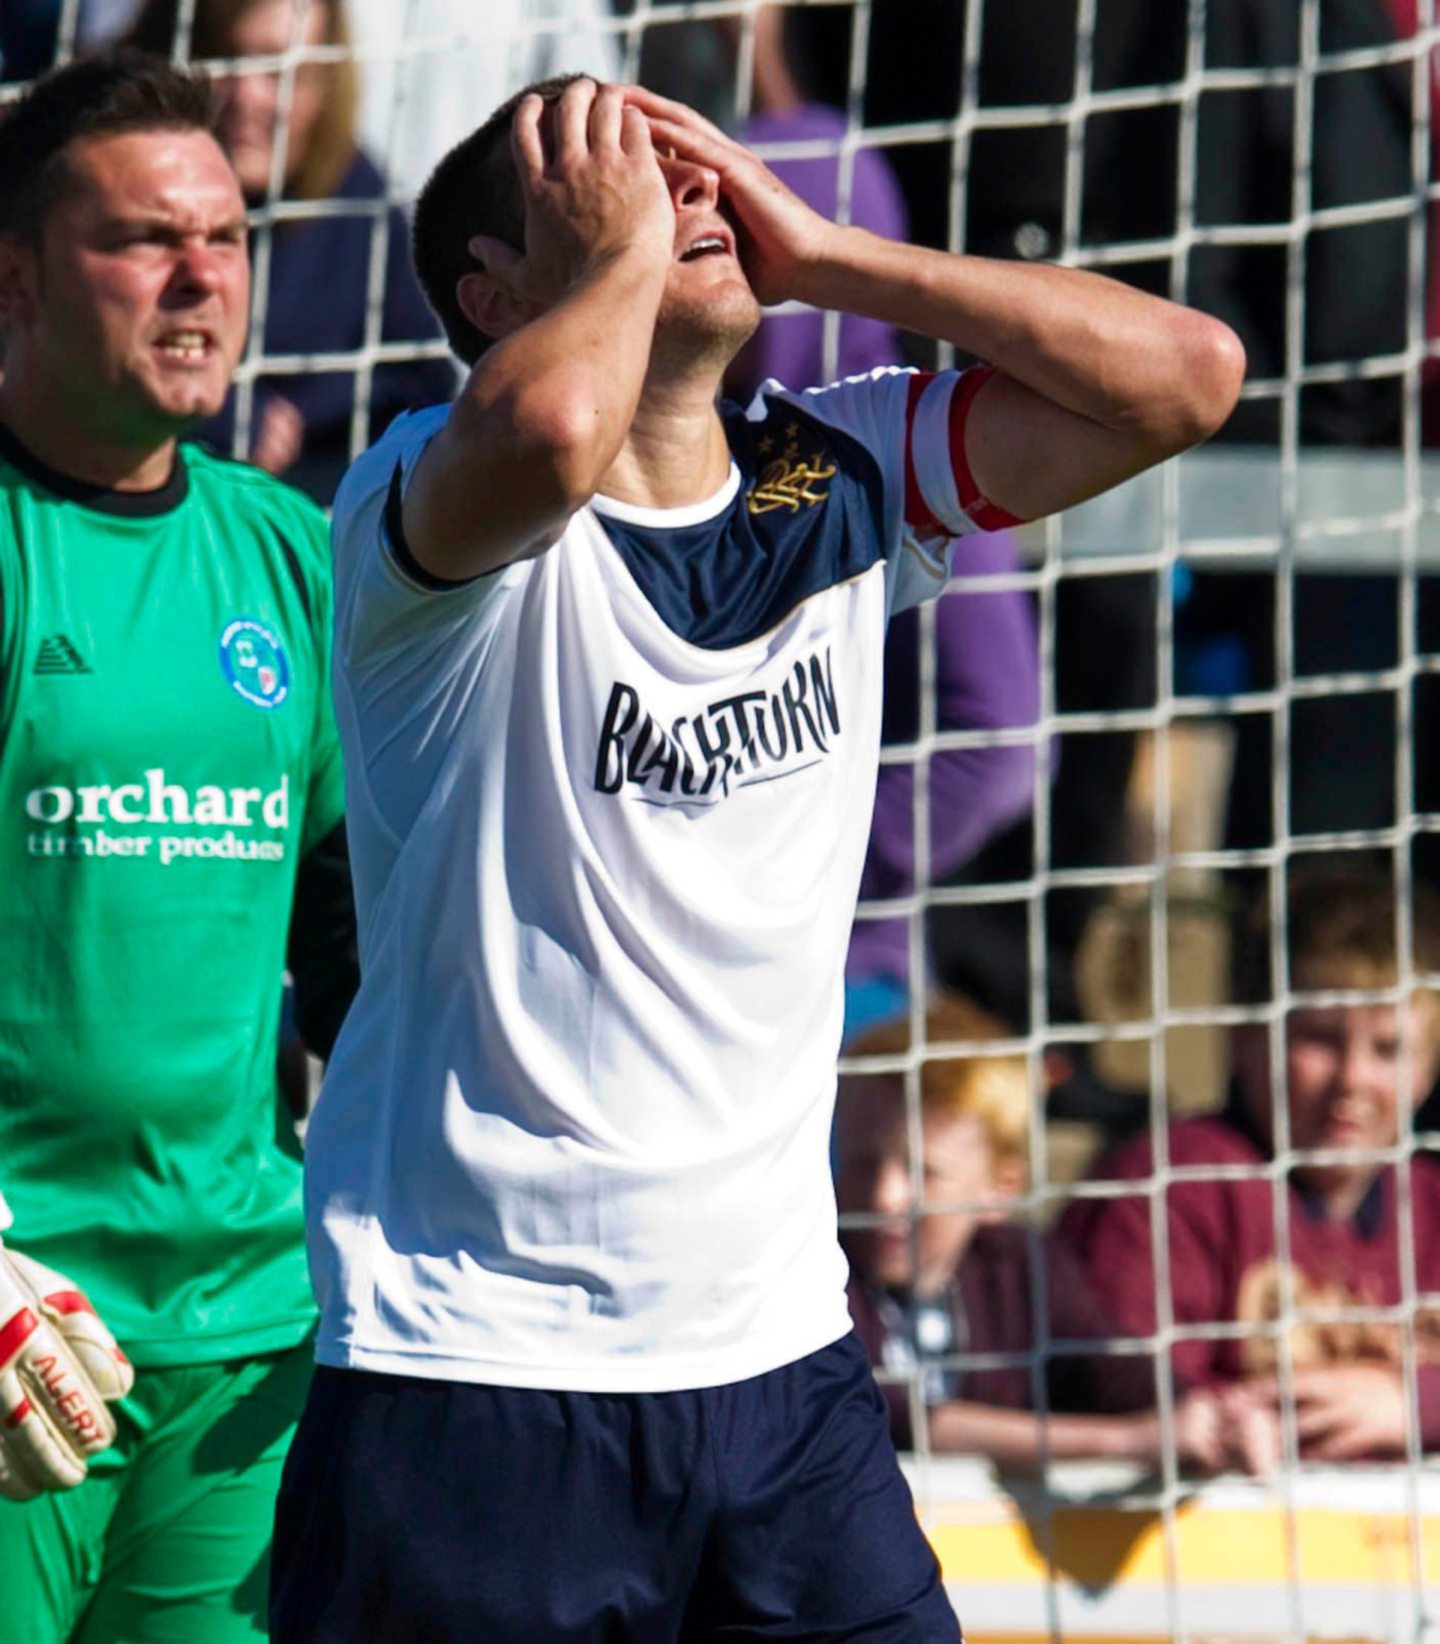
(952, 1276)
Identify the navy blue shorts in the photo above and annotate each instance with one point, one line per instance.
(436, 1512)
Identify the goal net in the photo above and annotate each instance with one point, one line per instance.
(1233, 661)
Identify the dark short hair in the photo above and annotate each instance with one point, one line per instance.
(101, 96)
(1339, 919)
(474, 190)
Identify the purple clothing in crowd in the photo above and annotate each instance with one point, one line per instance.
(791, 347)
(987, 677)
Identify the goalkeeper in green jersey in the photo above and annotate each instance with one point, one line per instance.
(170, 839)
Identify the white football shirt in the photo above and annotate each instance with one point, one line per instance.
(607, 811)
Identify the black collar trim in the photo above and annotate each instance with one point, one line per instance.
(102, 498)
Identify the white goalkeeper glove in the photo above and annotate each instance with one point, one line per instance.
(59, 1366)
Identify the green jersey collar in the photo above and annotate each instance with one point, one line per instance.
(102, 498)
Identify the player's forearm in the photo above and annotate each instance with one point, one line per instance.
(568, 383)
(1012, 1438)
(1128, 361)
(537, 425)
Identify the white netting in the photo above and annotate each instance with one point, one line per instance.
(1278, 512)
(1281, 512)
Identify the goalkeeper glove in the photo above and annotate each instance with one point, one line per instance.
(59, 1366)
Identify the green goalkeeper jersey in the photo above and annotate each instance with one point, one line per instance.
(167, 758)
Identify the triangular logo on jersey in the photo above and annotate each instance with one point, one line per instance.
(57, 655)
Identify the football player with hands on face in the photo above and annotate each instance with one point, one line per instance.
(608, 681)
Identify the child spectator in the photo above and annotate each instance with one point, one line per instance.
(957, 1281)
(1352, 1075)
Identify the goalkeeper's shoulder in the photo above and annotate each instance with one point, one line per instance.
(241, 496)
(248, 506)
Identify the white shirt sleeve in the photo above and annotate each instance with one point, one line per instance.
(410, 652)
(384, 601)
(913, 423)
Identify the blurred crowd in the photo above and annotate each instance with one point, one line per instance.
(1271, 1238)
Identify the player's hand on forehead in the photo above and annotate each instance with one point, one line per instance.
(685, 125)
(587, 118)
(591, 187)
(780, 235)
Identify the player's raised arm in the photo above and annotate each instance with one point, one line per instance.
(1095, 381)
(571, 318)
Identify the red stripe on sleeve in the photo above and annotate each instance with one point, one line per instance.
(18, 1329)
(18, 1414)
(984, 515)
(68, 1301)
(917, 513)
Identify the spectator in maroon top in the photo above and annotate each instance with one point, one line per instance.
(1352, 1075)
(927, 1294)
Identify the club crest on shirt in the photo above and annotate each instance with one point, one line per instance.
(254, 663)
(734, 742)
(789, 481)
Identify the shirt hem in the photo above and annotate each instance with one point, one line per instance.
(433, 1364)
